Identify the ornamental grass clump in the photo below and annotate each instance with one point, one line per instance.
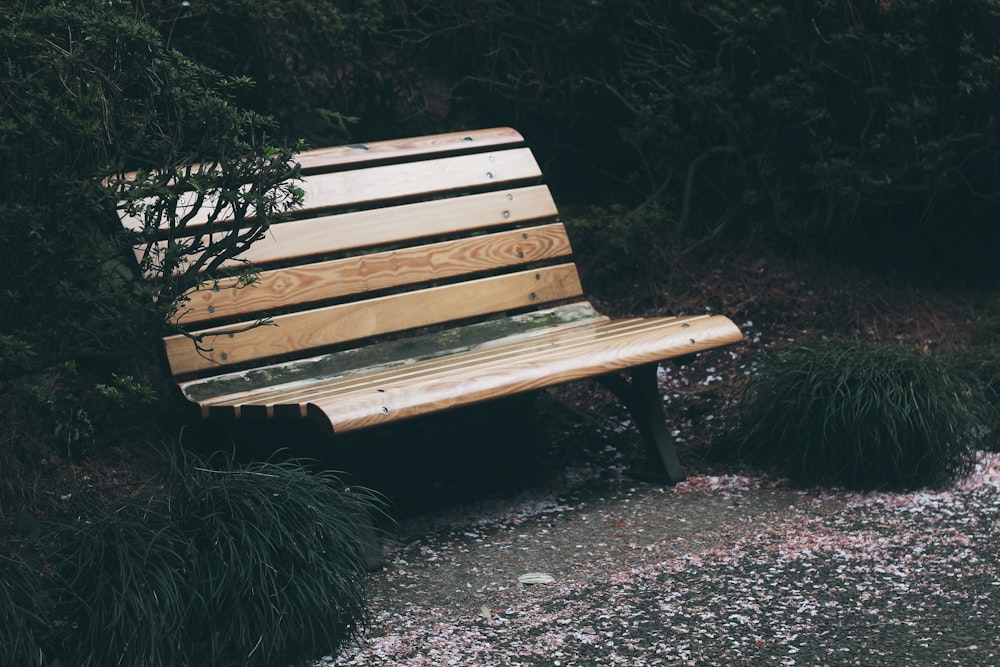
(277, 554)
(861, 416)
(23, 604)
(231, 565)
(126, 588)
(978, 364)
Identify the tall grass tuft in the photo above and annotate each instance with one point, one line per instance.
(23, 613)
(978, 364)
(127, 587)
(277, 553)
(231, 564)
(862, 416)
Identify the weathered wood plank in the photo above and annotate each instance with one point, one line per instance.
(366, 186)
(378, 271)
(330, 325)
(355, 154)
(576, 339)
(397, 224)
(391, 353)
(545, 368)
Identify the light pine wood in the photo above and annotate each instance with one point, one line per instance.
(296, 239)
(371, 273)
(394, 181)
(440, 175)
(679, 335)
(394, 149)
(279, 382)
(481, 335)
(545, 368)
(311, 329)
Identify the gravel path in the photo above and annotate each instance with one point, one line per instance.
(728, 570)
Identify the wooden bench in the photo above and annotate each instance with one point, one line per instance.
(420, 275)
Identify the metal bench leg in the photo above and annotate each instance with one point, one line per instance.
(641, 395)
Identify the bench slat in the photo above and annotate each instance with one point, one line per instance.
(354, 154)
(369, 273)
(363, 229)
(404, 371)
(545, 368)
(369, 358)
(343, 189)
(430, 177)
(342, 323)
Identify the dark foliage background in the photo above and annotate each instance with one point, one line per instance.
(88, 92)
(863, 128)
(673, 131)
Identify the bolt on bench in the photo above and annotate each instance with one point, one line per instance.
(420, 275)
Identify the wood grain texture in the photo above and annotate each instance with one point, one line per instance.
(357, 154)
(440, 175)
(378, 271)
(436, 176)
(320, 235)
(395, 149)
(545, 368)
(567, 337)
(397, 219)
(307, 330)
(369, 358)
(354, 402)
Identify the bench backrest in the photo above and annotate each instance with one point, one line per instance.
(393, 236)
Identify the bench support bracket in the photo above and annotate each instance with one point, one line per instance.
(640, 394)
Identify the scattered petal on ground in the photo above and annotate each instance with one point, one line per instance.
(719, 570)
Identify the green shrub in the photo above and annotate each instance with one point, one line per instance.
(251, 564)
(978, 364)
(278, 557)
(863, 416)
(127, 587)
(23, 612)
(860, 127)
(90, 93)
(304, 57)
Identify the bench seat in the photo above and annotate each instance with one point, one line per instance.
(343, 398)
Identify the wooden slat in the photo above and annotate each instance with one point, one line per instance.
(440, 175)
(337, 324)
(365, 186)
(366, 273)
(392, 149)
(368, 358)
(408, 222)
(292, 383)
(564, 337)
(545, 368)
(353, 154)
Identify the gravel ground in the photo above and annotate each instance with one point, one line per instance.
(719, 570)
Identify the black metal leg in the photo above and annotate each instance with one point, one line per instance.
(641, 395)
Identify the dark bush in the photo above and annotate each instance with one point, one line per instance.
(230, 565)
(863, 416)
(89, 93)
(305, 58)
(978, 364)
(24, 610)
(863, 128)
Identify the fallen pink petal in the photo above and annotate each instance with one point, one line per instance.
(718, 570)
